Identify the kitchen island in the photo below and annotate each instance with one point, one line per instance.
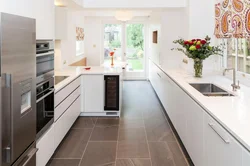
(94, 94)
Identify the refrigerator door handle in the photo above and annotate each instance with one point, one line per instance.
(7, 153)
(30, 156)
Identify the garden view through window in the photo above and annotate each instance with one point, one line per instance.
(243, 58)
(114, 35)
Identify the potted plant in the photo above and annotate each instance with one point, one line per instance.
(198, 50)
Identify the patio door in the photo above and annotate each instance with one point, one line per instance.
(128, 42)
(135, 51)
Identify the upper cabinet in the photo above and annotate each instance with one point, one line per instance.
(42, 11)
(45, 19)
(61, 20)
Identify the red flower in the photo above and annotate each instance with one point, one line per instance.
(191, 43)
(186, 42)
(112, 53)
(198, 46)
(198, 39)
(203, 42)
(193, 40)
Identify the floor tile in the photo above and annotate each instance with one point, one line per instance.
(102, 122)
(161, 154)
(64, 162)
(132, 149)
(137, 134)
(109, 133)
(158, 130)
(99, 154)
(131, 123)
(133, 162)
(131, 113)
(179, 158)
(73, 144)
(84, 123)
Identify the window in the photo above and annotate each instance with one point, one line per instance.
(238, 54)
(79, 48)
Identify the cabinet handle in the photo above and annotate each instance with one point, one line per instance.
(226, 140)
(159, 75)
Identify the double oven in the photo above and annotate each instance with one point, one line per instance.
(45, 85)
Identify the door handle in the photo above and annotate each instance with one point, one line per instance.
(30, 155)
(51, 91)
(44, 54)
(226, 140)
(6, 113)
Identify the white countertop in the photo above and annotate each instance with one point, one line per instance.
(75, 71)
(233, 113)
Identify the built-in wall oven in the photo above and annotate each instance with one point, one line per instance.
(44, 60)
(45, 85)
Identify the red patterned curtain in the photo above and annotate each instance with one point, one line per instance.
(232, 19)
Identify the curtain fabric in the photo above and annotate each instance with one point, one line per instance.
(232, 19)
(79, 34)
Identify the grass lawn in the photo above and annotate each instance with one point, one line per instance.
(137, 64)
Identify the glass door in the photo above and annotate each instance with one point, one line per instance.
(127, 40)
(135, 51)
(113, 37)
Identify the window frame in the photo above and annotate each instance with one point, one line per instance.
(81, 52)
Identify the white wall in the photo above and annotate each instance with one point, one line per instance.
(93, 40)
(66, 48)
(201, 23)
(133, 3)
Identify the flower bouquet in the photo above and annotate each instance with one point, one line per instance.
(112, 58)
(198, 50)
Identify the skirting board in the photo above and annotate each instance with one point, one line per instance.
(104, 114)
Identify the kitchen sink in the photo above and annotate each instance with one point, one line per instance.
(211, 90)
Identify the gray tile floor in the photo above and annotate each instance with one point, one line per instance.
(141, 137)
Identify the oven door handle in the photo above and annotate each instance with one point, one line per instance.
(51, 91)
(44, 54)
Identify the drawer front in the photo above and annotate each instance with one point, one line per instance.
(61, 108)
(45, 147)
(64, 123)
(63, 93)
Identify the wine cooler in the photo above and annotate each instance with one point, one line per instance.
(111, 102)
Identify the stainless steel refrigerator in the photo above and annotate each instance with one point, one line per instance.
(18, 90)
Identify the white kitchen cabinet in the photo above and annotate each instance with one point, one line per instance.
(41, 10)
(46, 147)
(93, 93)
(64, 123)
(194, 130)
(45, 19)
(61, 23)
(220, 148)
(245, 157)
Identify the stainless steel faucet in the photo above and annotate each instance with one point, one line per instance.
(235, 87)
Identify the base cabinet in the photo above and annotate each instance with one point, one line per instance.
(206, 141)
(64, 123)
(93, 93)
(45, 147)
(220, 148)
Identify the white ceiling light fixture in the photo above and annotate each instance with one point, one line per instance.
(124, 15)
(60, 3)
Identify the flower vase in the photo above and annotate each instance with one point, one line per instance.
(112, 61)
(198, 65)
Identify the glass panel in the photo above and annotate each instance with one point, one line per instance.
(231, 52)
(247, 56)
(112, 40)
(135, 47)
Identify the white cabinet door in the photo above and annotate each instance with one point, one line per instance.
(93, 89)
(245, 157)
(45, 147)
(194, 138)
(61, 23)
(45, 19)
(220, 149)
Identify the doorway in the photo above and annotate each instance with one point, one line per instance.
(128, 42)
